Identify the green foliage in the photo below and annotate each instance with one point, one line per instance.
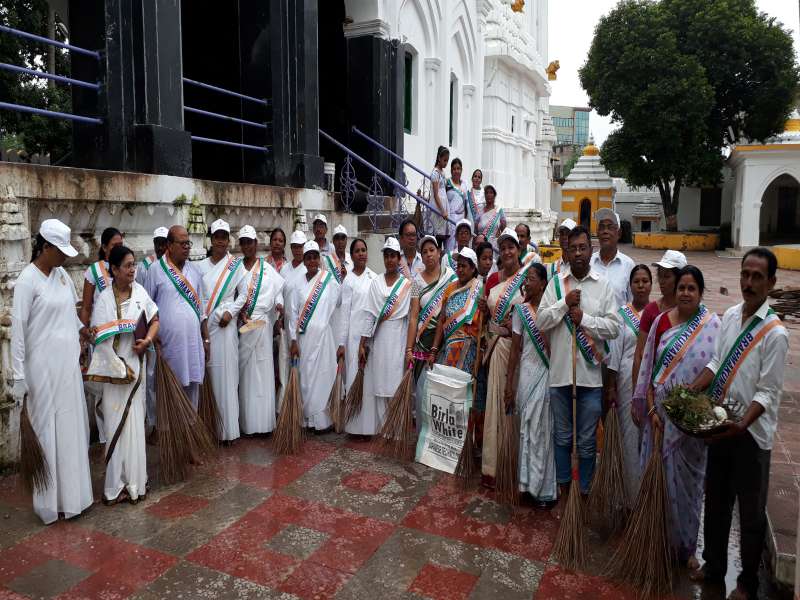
(676, 74)
(570, 164)
(22, 131)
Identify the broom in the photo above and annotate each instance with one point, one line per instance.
(207, 408)
(608, 498)
(396, 437)
(569, 547)
(335, 406)
(182, 437)
(644, 557)
(507, 483)
(288, 437)
(33, 468)
(467, 466)
(355, 395)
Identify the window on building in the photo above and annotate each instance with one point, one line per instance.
(710, 207)
(453, 120)
(408, 92)
(512, 123)
(581, 135)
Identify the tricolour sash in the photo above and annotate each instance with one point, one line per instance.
(465, 313)
(677, 347)
(744, 344)
(555, 268)
(100, 275)
(277, 264)
(396, 296)
(254, 287)
(223, 281)
(185, 289)
(433, 306)
(321, 280)
(510, 287)
(472, 207)
(589, 350)
(491, 228)
(148, 261)
(334, 265)
(112, 328)
(528, 318)
(631, 318)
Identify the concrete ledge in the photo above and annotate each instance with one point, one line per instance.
(549, 254)
(788, 256)
(676, 241)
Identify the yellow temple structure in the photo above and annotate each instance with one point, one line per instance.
(587, 189)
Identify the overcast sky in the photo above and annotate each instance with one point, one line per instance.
(572, 24)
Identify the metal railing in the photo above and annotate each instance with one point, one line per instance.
(377, 144)
(62, 79)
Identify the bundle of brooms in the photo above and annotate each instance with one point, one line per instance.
(208, 410)
(355, 397)
(183, 439)
(507, 482)
(396, 437)
(570, 544)
(467, 468)
(643, 558)
(34, 472)
(335, 405)
(289, 436)
(608, 498)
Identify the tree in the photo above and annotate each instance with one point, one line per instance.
(570, 164)
(679, 76)
(23, 131)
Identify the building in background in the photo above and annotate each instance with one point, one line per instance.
(572, 124)
(587, 189)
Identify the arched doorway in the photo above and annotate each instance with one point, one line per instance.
(585, 216)
(779, 221)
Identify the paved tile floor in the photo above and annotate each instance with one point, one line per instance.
(336, 521)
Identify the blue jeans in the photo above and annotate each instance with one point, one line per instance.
(590, 407)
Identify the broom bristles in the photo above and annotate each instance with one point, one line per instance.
(288, 437)
(335, 406)
(182, 437)
(208, 410)
(34, 470)
(608, 497)
(569, 547)
(396, 437)
(355, 398)
(507, 482)
(644, 557)
(466, 468)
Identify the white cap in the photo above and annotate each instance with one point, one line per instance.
(672, 259)
(55, 232)
(248, 232)
(220, 225)
(310, 246)
(429, 238)
(466, 222)
(298, 238)
(339, 230)
(320, 217)
(606, 214)
(391, 244)
(568, 224)
(161, 232)
(508, 233)
(470, 254)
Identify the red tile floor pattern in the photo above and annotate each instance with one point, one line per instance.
(337, 521)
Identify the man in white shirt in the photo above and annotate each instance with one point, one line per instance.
(320, 229)
(745, 375)
(338, 261)
(609, 261)
(559, 265)
(564, 307)
(410, 259)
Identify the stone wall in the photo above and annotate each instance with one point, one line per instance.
(89, 201)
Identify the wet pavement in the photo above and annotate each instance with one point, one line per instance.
(336, 521)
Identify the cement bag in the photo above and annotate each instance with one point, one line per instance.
(446, 400)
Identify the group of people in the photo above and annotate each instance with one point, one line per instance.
(530, 335)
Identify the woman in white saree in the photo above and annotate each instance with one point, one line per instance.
(125, 323)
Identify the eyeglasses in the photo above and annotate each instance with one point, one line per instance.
(186, 244)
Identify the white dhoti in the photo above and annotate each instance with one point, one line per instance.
(223, 368)
(257, 381)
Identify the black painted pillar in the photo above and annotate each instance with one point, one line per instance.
(295, 92)
(375, 72)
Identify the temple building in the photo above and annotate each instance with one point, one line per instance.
(587, 189)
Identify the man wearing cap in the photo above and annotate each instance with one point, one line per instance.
(463, 239)
(45, 350)
(320, 229)
(175, 285)
(578, 307)
(313, 301)
(159, 247)
(410, 259)
(222, 272)
(259, 302)
(338, 262)
(292, 272)
(561, 264)
(609, 262)
(525, 246)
